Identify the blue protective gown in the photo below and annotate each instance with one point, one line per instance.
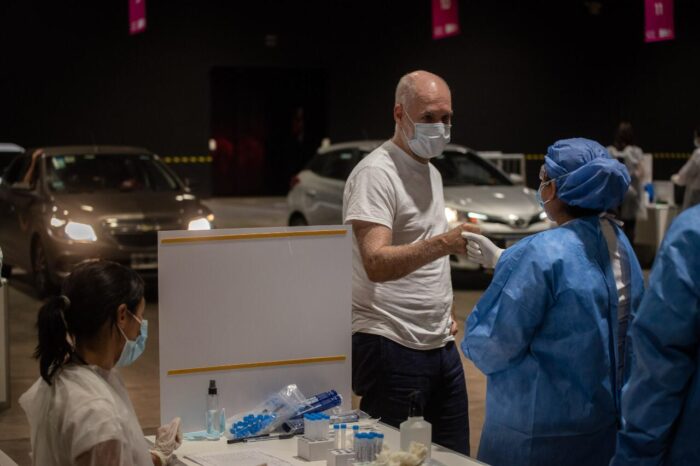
(545, 334)
(661, 403)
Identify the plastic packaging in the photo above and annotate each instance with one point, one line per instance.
(267, 416)
(348, 417)
(318, 403)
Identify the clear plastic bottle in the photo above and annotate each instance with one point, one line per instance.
(415, 428)
(213, 413)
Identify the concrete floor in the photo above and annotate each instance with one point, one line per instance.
(142, 378)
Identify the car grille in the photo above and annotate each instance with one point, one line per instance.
(137, 240)
(139, 233)
(519, 223)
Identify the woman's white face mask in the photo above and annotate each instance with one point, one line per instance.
(429, 139)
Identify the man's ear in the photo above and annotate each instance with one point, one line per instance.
(398, 112)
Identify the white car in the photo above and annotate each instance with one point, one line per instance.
(476, 191)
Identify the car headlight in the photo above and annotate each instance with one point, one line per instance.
(475, 217)
(451, 214)
(80, 232)
(57, 222)
(199, 224)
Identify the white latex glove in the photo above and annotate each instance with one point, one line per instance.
(168, 439)
(481, 250)
(675, 178)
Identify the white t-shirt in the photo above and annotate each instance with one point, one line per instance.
(390, 188)
(83, 407)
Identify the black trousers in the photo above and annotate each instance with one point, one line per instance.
(385, 373)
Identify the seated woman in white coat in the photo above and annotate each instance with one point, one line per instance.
(79, 410)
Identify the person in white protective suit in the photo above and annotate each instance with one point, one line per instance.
(689, 175)
(633, 207)
(79, 410)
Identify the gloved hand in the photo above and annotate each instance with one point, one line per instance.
(481, 250)
(168, 439)
(675, 178)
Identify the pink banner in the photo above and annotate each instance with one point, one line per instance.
(137, 16)
(659, 20)
(445, 19)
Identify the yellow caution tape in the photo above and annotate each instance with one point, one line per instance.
(170, 159)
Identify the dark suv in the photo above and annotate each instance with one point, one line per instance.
(62, 205)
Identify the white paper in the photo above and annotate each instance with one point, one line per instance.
(237, 458)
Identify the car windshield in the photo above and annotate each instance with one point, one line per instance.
(108, 172)
(459, 169)
(5, 159)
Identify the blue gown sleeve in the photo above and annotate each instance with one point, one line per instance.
(503, 322)
(665, 338)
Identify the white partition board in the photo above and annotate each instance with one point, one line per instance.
(228, 299)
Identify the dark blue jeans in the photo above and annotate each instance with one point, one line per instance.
(384, 373)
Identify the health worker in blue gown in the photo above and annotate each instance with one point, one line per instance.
(661, 402)
(549, 332)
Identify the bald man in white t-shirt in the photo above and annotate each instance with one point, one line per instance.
(403, 327)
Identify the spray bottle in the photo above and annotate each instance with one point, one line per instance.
(213, 422)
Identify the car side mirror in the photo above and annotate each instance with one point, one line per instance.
(515, 178)
(22, 186)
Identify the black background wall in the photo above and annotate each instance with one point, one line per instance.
(523, 73)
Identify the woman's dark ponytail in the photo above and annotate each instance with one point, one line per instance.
(53, 348)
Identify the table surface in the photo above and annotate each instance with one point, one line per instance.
(287, 449)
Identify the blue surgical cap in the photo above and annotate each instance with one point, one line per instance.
(585, 174)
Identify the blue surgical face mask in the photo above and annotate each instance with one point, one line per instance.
(429, 139)
(133, 349)
(539, 194)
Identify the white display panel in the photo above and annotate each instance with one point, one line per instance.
(247, 296)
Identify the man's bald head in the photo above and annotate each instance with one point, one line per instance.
(421, 97)
(418, 84)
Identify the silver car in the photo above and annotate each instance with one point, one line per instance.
(476, 191)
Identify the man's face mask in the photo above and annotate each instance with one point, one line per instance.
(429, 139)
(133, 349)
